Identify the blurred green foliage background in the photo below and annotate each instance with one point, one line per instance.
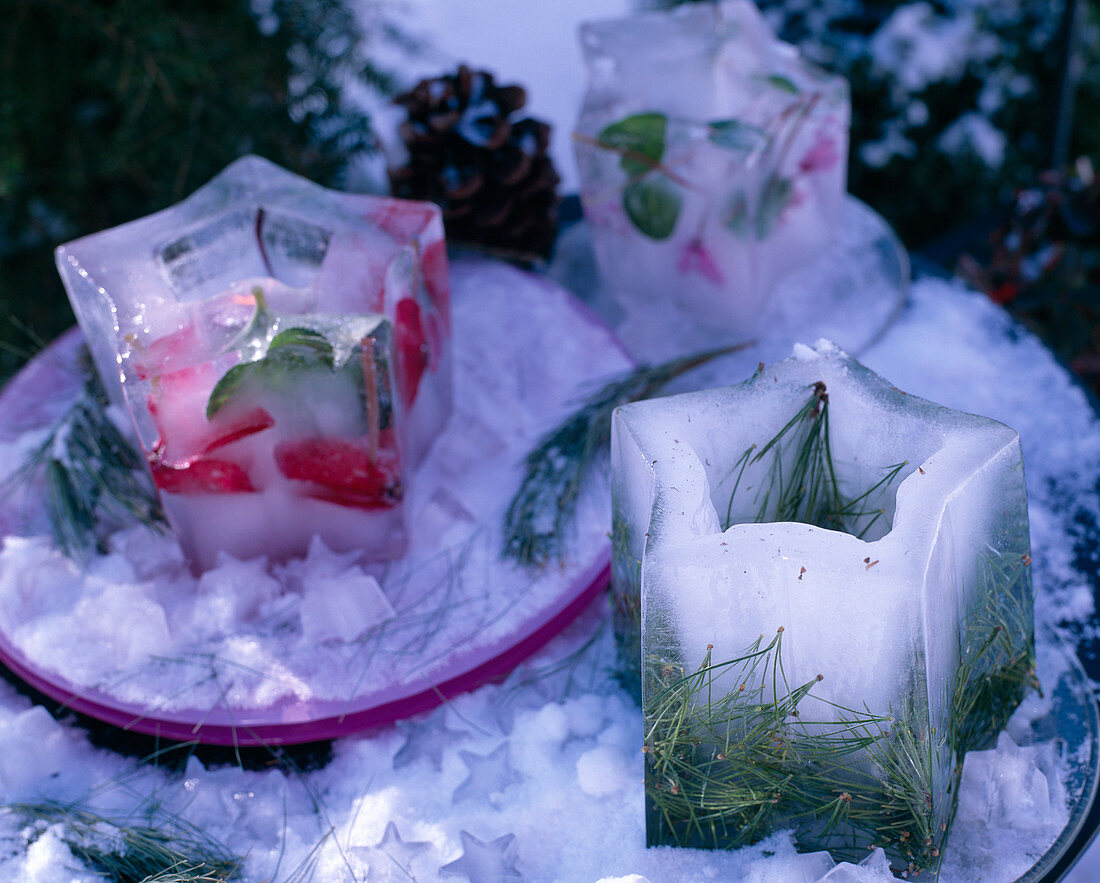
(112, 110)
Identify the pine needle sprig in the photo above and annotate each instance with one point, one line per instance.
(807, 490)
(166, 850)
(90, 472)
(733, 751)
(996, 655)
(555, 470)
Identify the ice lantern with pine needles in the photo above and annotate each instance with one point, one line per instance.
(712, 157)
(826, 584)
(283, 350)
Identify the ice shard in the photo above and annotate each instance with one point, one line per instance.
(712, 158)
(283, 350)
(823, 586)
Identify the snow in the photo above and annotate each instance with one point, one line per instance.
(892, 143)
(919, 47)
(603, 770)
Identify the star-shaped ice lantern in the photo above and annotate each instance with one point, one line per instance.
(425, 739)
(879, 542)
(391, 858)
(284, 353)
(483, 862)
(489, 775)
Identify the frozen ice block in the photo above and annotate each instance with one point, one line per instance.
(712, 158)
(825, 584)
(283, 350)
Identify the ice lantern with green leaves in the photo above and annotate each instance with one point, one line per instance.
(283, 350)
(712, 158)
(826, 585)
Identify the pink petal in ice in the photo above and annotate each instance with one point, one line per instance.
(695, 258)
(821, 156)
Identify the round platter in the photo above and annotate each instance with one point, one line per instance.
(1069, 725)
(244, 654)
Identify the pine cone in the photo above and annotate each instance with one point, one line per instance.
(491, 175)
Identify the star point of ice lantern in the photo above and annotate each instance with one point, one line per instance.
(483, 862)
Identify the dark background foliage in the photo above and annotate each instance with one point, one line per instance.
(930, 190)
(112, 110)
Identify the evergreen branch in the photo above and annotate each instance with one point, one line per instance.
(554, 471)
(806, 490)
(90, 470)
(167, 850)
(727, 762)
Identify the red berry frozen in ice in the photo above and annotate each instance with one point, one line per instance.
(412, 348)
(343, 470)
(200, 476)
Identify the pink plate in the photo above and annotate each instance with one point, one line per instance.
(525, 351)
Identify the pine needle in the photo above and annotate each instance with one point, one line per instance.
(996, 655)
(167, 850)
(808, 492)
(91, 472)
(554, 471)
(726, 765)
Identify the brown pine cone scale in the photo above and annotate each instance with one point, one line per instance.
(489, 172)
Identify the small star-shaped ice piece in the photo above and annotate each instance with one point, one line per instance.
(489, 774)
(342, 608)
(320, 561)
(425, 739)
(392, 854)
(482, 862)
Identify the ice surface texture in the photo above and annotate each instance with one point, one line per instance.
(712, 158)
(284, 352)
(830, 583)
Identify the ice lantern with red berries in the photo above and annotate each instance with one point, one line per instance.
(283, 350)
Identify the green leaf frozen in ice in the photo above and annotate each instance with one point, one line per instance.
(639, 139)
(775, 197)
(291, 351)
(779, 81)
(653, 205)
(734, 134)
